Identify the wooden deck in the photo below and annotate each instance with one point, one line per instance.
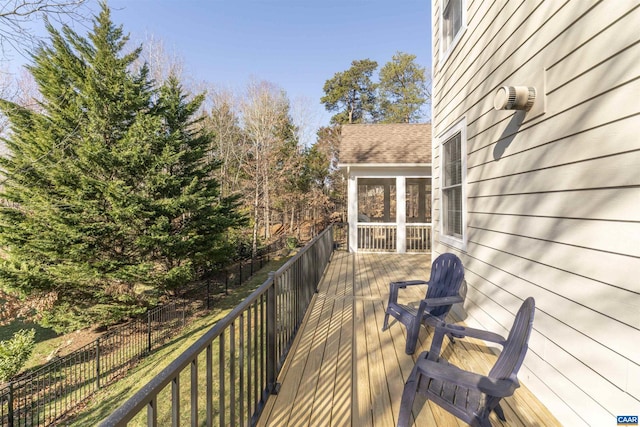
(344, 371)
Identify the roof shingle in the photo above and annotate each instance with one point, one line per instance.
(402, 143)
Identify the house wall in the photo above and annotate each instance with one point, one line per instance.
(552, 195)
(400, 173)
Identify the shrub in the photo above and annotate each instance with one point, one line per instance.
(15, 352)
(292, 242)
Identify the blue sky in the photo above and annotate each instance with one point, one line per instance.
(296, 44)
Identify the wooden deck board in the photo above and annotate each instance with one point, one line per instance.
(361, 389)
(343, 370)
(340, 407)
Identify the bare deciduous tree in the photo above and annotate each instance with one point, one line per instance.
(17, 17)
(265, 113)
(306, 119)
(6, 92)
(27, 93)
(223, 121)
(22, 90)
(162, 62)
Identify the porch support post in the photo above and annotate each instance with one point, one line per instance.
(401, 214)
(422, 203)
(352, 212)
(387, 203)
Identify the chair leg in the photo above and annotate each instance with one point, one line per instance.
(385, 325)
(413, 330)
(410, 347)
(406, 404)
(499, 412)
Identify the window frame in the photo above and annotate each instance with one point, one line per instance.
(444, 53)
(459, 128)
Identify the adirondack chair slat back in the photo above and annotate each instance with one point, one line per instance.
(446, 277)
(515, 349)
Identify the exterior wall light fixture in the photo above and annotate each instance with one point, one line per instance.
(514, 98)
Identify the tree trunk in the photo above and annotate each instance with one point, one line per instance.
(267, 210)
(293, 215)
(256, 206)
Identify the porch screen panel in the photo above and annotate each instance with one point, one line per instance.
(418, 200)
(377, 200)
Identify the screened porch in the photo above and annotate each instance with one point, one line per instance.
(381, 224)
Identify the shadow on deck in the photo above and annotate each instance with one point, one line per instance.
(344, 371)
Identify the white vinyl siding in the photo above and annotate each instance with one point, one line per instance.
(553, 196)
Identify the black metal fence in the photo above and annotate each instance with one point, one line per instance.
(46, 395)
(43, 396)
(245, 267)
(225, 377)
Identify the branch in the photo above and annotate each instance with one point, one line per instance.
(16, 16)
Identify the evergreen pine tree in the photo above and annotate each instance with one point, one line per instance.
(106, 191)
(402, 89)
(352, 93)
(187, 230)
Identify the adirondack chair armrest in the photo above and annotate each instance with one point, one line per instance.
(459, 331)
(471, 380)
(435, 302)
(429, 303)
(395, 286)
(404, 284)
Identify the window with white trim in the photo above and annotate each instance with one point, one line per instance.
(452, 23)
(454, 174)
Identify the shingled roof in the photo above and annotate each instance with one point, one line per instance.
(403, 143)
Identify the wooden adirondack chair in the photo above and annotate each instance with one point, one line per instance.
(467, 395)
(444, 290)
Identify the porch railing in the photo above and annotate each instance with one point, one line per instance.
(377, 238)
(384, 237)
(225, 377)
(419, 237)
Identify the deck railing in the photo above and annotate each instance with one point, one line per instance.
(225, 377)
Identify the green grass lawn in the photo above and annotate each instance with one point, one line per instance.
(108, 399)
